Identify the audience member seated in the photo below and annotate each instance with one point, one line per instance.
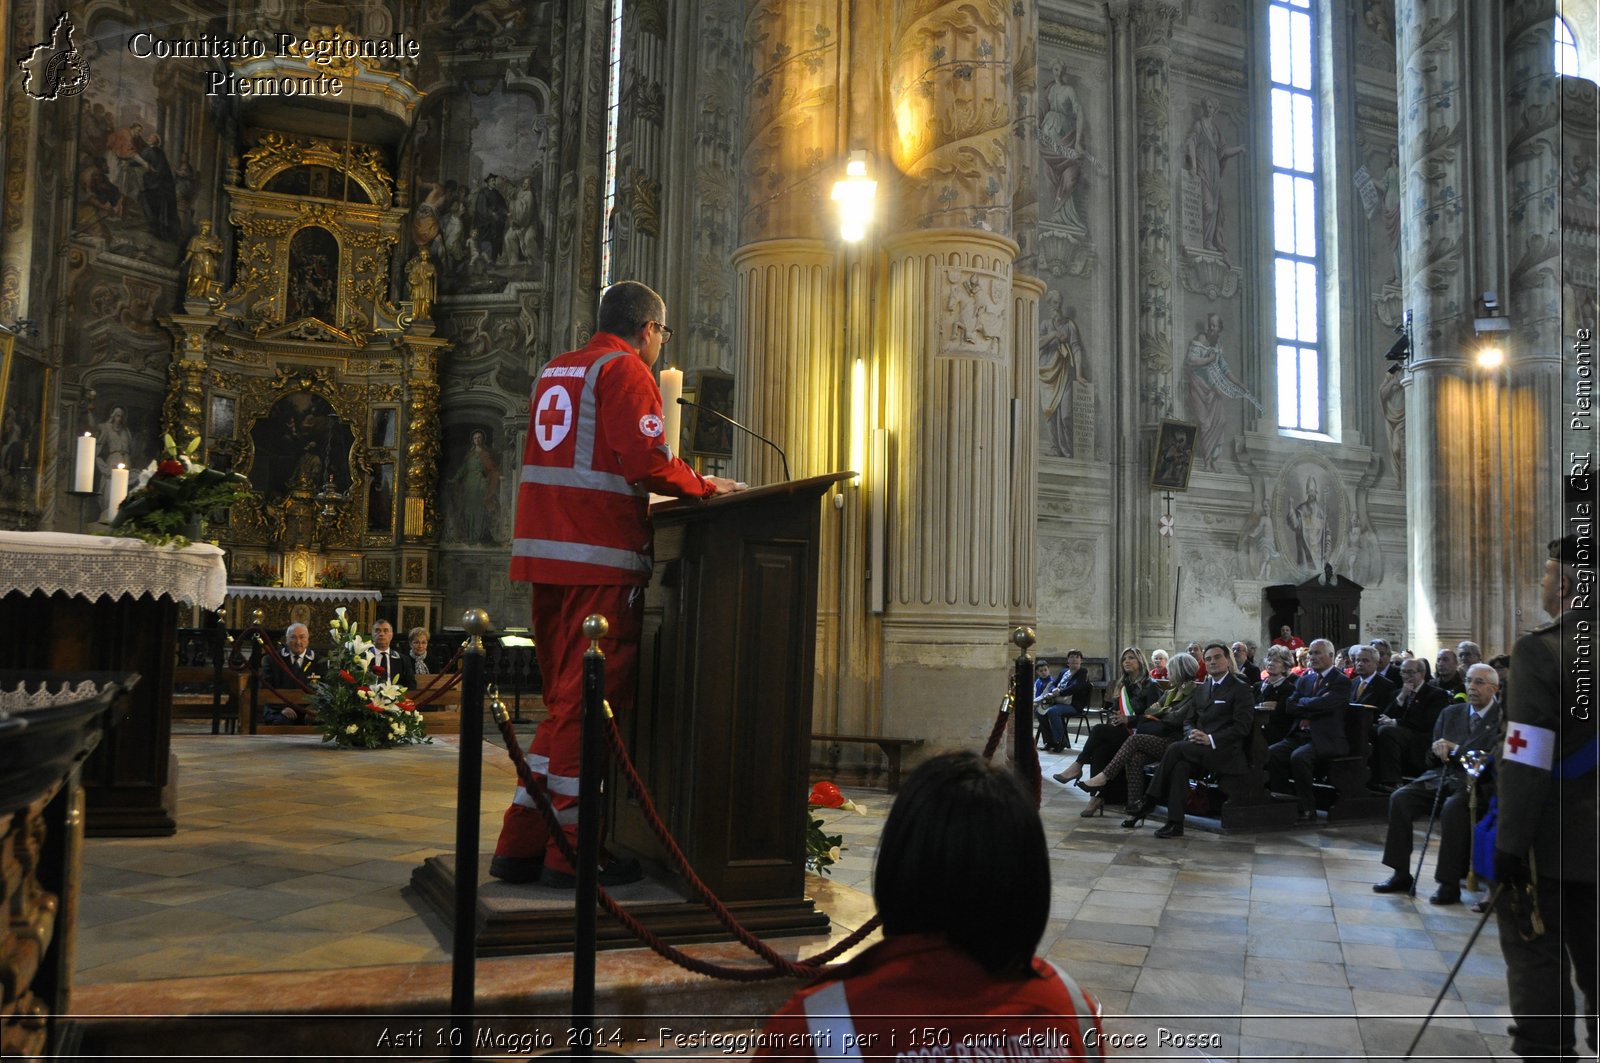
(1367, 687)
(1288, 639)
(1126, 699)
(1476, 724)
(1244, 663)
(1148, 737)
(1214, 742)
(1447, 672)
(957, 957)
(1302, 661)
(1469, 654)
(418, 638)
(386, 661)
(1320, 700)
(1400, 744)
(297, 657)
(1158, 664)
(1276, 689)
(1068, 697)
(1501, 663)
(1388, 664)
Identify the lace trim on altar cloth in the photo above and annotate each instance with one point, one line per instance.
(22, 699)
(94, 567)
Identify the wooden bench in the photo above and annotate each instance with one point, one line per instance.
(891, 747)
(1344, 796)
(200, 693)
(442, 716)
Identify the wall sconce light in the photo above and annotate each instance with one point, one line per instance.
(1400, 351)
(1491, 356)
(854, 195)
(1490, 316)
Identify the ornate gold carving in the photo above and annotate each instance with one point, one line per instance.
(422, 442)
(414, 570)
(277, 152)
(646, 203)
(379, 572)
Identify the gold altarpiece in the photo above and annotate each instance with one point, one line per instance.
(306, 378)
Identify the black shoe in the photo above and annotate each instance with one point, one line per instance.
(1171, 830)
(516, 869)
(1136, 816)
(1399, 882)
(1447, 893)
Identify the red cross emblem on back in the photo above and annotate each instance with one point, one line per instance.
(552, 418)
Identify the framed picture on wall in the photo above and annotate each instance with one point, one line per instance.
(22, 389)
(707, 435)
(1173, 459)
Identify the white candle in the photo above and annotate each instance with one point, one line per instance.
(116, 490)
(671, 412)
(83, 469)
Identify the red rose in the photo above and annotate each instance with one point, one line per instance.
(375, 707)
(170, 467)
(826, 795)
(346, 676)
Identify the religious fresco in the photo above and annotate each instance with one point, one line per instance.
(22, 386)
(137, 178)
(300, 443)
(477, 495)
(1312, 516)
(313, 276)
(480, 198)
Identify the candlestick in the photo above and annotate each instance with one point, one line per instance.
(83, 469)
(116, 491)
(672, 413)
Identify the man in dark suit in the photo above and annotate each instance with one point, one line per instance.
(1447, 672)
(1367, 686)
(386, 661)
(1068, 699)
(1388, 667)
(296, 658)
(1213, 742)
(1464, 726)
(1400, 744)
(1321, 698)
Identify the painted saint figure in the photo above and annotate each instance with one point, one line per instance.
(1061, 358)
(477, 481)
(1206, 155)
(1211, 388)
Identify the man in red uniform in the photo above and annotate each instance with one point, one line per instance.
(594, 453)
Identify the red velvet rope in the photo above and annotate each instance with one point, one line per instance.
(777, 965)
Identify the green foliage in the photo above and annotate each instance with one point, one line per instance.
(357, 709)
(174, 495)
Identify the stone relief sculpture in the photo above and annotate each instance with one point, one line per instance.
(1063, 147)
(1061, 370)
(1392, 397)
(1212, 387)
(1205, 157)
(976, 313)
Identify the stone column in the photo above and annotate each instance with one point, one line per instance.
(1535, 257)
(790, 376)
(1142, 570)
(950, 350)
(1480, 159)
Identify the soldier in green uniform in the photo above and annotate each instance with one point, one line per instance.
(1547, 821)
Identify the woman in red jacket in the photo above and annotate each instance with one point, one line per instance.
(963, 884)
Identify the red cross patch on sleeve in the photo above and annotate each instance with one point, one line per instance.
(1531, 746)
(650, 425)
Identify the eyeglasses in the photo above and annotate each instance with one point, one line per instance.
(666, 332)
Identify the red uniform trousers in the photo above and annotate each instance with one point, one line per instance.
(556, 753)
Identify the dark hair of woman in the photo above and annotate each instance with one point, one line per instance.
(963, 854)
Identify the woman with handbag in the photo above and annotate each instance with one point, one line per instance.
(1133, 693)
(1157, 728)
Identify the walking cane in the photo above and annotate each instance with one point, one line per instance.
(1474, 762)
(1488, 910)
(1433, 817)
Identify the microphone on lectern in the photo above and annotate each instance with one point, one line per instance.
(722, 416)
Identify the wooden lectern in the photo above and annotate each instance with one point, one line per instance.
(720, 732)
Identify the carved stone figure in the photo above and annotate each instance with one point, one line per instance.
(1211, 387)
(202, 257)
(1392, 397)
(1206, 155)
(1061, 358)
(422, 278)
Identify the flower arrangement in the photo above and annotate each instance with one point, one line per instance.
(822, 850)
(258, 575)
(173, 496)
(334, 576)
(357, 708)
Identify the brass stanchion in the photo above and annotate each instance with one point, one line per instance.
(463, 957)
(1026, 757)
(595, 627)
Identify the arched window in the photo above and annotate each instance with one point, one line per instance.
(1297, 255)
(1566, 50)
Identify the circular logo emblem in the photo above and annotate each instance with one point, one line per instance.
(650, 425)
(552, 418)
